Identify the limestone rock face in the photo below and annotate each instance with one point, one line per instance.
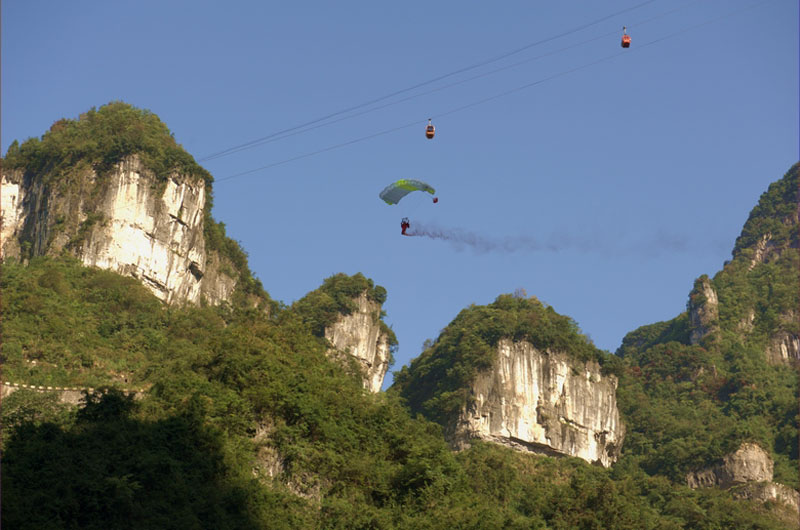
(750, 463)
(125, 221)
(763, 250)
(544, 402)
(359, 334)
(749, 470)
(703, 310)
(784, 348)
(770, 491)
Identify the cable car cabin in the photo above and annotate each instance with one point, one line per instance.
(626, 41)
(430, 130)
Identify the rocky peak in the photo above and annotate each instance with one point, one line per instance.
(347, 312)
(115, 189)
(703, 308)
(772, 225)
(748, 472)
(543, 402)
(360, 335)
(749, 463)
(517, 373)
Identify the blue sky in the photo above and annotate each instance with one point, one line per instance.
(603, 182)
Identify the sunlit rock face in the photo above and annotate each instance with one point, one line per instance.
(359, 334)
(749, 472)
(126, 221)
(544, 402)
(750, 463)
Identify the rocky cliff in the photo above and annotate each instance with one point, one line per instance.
(360, 335)
(115, 189)
(749, 463)
(703, 309)
(517, 373)
(544, 402)
(346, 311)
(126, 221)
(749, 470)
(768, 245)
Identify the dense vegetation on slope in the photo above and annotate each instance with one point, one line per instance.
(688, 405)
(437, 382)
(775, 214)
(102, 138)
(247, 424)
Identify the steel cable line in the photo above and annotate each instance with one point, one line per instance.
(456, 83)
(251, 143)
(496, 96)
(302, 129)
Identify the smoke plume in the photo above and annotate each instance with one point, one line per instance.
(656, 244)
(463, 238)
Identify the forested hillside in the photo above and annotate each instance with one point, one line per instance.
(246, 424)
(688, 403)
(233, 416)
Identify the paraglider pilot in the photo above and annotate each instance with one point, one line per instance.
(404, 224)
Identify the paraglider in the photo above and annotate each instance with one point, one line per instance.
(626, 39)
(395, 191)
(430, 130)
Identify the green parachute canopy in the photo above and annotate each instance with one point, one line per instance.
(392, 193)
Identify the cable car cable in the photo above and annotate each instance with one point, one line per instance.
(302, 129)
(236, 148)
(496, 96)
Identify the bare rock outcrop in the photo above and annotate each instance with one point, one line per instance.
(783, 348)
(359, 334)
(770, 492)
(764, 249)
(748, 472)
(544, 402)
(126, 220)
(703, 308)
(749, 463)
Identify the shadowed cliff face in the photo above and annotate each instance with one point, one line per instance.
(359, 334)
(125, 221)
(544, 402)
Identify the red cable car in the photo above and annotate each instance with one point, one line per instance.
(626, 39)
(430, 130)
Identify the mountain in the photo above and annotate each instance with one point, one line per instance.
(115, 190)
(230, 410)
(517, 373)
(723, 374)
